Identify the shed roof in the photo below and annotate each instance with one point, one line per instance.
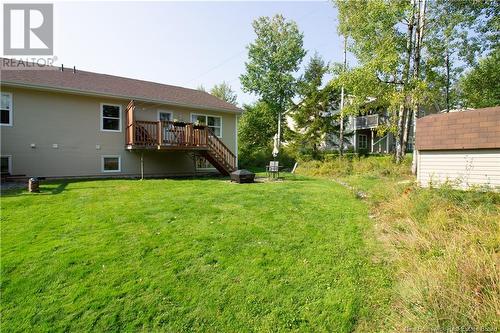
(476, 129)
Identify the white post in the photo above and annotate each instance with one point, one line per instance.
(372, 142)
(279, 130)
(355, 135)
(387, 143)
(236, 139)
(414, 165)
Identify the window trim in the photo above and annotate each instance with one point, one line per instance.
(120, 119)
(165, 111)
(111, 156)
(359, 141)
(9, 157)
(206, 117)
(11, 111)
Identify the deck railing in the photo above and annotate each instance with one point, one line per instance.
(220, 151)
(166, 133)
(370, 121)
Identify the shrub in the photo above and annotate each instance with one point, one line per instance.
(259, 158)
(333, 166)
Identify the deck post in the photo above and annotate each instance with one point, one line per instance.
(189, 135)
(159, 133)
(206, 136)
(130, 128)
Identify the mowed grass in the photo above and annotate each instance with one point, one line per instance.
(190, 255)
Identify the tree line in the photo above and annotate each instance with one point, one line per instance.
(412, 57)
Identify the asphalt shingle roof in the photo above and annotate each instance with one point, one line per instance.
(103, 84)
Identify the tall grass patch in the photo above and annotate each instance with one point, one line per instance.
(443, 243)
(334, 166)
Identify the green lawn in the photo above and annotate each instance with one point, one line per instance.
(191, 255)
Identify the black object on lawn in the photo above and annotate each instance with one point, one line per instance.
(242, 176)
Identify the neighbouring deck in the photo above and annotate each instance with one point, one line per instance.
(364, 122)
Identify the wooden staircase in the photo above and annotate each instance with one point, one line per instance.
(219, 155)
(180, 136)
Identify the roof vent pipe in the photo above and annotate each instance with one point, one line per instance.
(74, 69)
(62, 67)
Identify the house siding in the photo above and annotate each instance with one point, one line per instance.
(72, 122)
(462, 168)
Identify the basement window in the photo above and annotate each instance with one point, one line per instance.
(203, 164)
(111, 164)
(111, 118)
(6, 109)
(6, 165)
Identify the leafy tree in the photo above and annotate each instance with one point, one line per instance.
(201, 88)
(400, 47)
(224, 92)
(458, 33)
(273, 58)
(256, 126)
(314, 114)
(480, 87)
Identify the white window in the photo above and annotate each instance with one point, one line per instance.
(111, 163)
(111, 117)
(363, 141)
(213, 122)
(6, 109)
(164, 115)
(6, 164)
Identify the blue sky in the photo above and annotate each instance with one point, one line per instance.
(181, 43)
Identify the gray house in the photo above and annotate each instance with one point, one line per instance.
(57, 122)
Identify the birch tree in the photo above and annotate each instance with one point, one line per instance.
(399, 44)
(273, 59)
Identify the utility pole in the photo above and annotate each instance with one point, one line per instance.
(341, 134)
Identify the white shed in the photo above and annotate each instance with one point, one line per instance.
(461, 148)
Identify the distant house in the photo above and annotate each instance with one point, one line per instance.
(362, 134)
(462, 148)
(365, 137)
(58, 122)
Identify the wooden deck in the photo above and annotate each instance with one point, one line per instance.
(179, 136)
